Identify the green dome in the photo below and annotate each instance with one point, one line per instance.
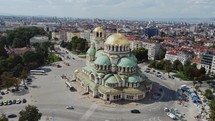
(126, 62)
(133, 57)
(133, 79)
(99, 53)
(102, 60)
(91, 51)
(111, 80)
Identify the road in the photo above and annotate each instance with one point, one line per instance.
(50, 95)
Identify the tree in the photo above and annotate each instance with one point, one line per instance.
(161, 53)
(208, 93)
(141, 54)
(3, 117)
(31, 113)
(168, 66)
(8, 79)
(212, 110)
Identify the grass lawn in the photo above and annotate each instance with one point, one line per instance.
(181, 76)
(52, 58)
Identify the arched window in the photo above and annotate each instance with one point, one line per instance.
(116, 48)
(112, 48)
(97, 34)
(100, 34)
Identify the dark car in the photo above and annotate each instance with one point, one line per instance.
(1, 103)
(10, 102)
(13, 90)
(14, 101)
(2, 93)
(24, 100)
(135, 111)
(12, 116)
(26, 87)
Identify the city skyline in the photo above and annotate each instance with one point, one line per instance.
(125, 9)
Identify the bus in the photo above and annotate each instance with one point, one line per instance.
(68, 84)
(37, 72)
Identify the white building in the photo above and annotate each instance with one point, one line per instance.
(152, 48)
(85, 35)
(39, 39)
(173, 56)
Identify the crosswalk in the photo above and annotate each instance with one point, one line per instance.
(153, 119)
(89, 112)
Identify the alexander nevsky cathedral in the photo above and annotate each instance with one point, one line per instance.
(111, 72)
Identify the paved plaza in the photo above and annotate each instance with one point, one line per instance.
(50, 94)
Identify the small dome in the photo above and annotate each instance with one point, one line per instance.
(126, 62)
(133, 79)
(99, 53)
(102, 60)
(91, 51)
(98, 29)
(133, 57)
(111, 80)
(117, 39)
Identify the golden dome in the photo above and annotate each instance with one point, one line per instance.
(76, 71)
(117, 39)
(98, 29)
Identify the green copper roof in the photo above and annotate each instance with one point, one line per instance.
(126, 62)
(99, 53)
(111, 80)
(133, 79)
(91, 51)
(133, 57)
(102, 60)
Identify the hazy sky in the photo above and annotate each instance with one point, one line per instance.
(110, 8)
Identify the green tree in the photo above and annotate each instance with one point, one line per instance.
(212, 110)
(31, 113)
(8, 79)
(208, 93)
(3, 117)
(161, 53)
(141, 54)
(168, 66)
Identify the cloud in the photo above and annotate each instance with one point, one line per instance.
(111, 8)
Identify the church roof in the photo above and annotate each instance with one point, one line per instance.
(134, 79)
(99, 53)
(102, 60)
(111, 80)
(126, 62)
(98, 29)
(91, 51)
(117, 39)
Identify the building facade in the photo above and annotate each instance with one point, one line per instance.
(208, 62)
(111, 72)
(153, 48)
(182, 57)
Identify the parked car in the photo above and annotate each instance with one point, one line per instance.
(14, 101)
(172, 116)
(135, 111)
(69, 107)
(24, 100)
(26, 87)
(12, 116)
(18, 101)
(1, 103)
(10, 102)
(166, 109)
(2, 93)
